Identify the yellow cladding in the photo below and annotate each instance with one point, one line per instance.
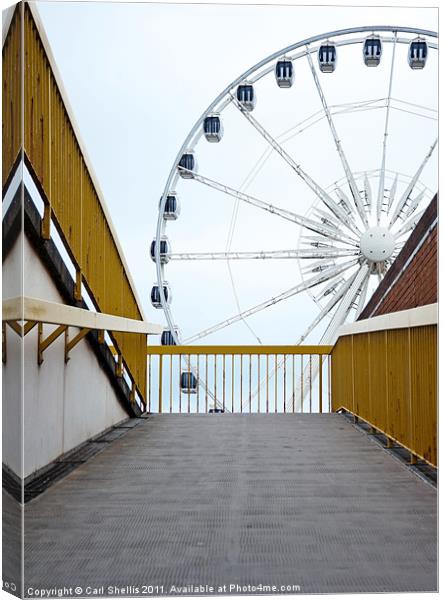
(389, 379)
(66, 173)
(398, 384)
(58, 168)
(361, 375)
(423, 390)
(11, 96)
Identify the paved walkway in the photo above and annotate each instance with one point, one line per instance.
(294, 500)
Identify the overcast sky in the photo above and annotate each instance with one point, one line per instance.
(139, 75)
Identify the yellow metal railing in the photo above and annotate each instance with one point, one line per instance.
(239, 379)
(11, 97)
(389, 379)
(57, 165)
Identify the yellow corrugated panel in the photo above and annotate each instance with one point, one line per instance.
(398, 382)
(341, 374)
(142, 341)
(132, 344)
(66, 175)
(113, 302)
(93, 241)
(11, 95)
(424, 391)
(36, 101)
(362, 400)
(378, 377)
(394, 384)
(58, 165)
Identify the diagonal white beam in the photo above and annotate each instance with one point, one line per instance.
(343, 199)
(413, 112)
(363, 294)
(348, 173)
(414, 204)
(346, 303)
(319, 265)
(201, 382)
(327, 218)
(328, 308)
(325, 311)
(280, 212)
(311, 183)
(305, 285)
(338, 319)
(421, 106)
(316, 241)
(409, 189)
(410, 224)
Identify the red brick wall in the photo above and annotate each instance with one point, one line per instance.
(417, 284)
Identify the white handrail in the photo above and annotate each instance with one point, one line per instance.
(25, 308)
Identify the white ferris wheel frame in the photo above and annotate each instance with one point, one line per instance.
(226, 97)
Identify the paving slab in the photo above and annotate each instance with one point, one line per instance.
(305, 503)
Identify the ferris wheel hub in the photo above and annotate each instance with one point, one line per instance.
(377, 244)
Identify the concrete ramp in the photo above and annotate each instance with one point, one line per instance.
(304, 503)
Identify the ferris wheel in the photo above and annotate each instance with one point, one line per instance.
(347, 230)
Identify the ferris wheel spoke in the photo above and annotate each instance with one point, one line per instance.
(363, 294)
(368, 193)
(338, 319)
(308, 122)
(328, 307)
(381, 186)
(320, 228)
(305, 285)
(410, 224)
(404, 200)
(325, 311)
(343, 200)
(414, 204)
(265, 255)
(346, 304)
(346, 219)
(351, 180)
(316, 241)
(201, 382)
(392, 194)
(327, 218)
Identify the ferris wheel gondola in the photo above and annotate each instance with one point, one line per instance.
(418, 53)
(213, 128)
(284, 73)
(246, 96)
(372, 51)
(171, 209)
(188, 383)
(327, 57)
(187, 164)
(168, 338)
(156, 297)
(164, 252)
